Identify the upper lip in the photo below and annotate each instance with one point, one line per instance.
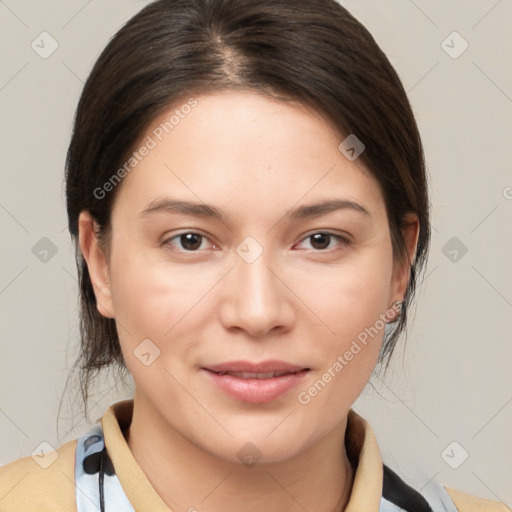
(251, 367)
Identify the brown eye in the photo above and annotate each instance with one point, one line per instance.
(191, 241)
(320, 240)
(186, 242)
(323, 240)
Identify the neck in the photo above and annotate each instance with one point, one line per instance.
(186, 477)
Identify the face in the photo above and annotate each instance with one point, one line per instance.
(250, 270)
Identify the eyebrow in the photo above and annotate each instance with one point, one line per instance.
(205, 210)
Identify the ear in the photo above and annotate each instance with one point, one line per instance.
(402, 269)
(96, 263)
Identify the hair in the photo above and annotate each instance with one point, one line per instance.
(309, 51)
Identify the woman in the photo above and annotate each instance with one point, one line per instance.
(247, 194)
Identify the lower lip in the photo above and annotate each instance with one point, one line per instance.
(256, 391)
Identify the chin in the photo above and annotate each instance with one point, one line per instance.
(259, 449)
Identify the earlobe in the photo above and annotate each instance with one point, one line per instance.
(96, 264)
(410, 233)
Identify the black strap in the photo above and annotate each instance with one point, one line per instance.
(101, 478)
(395, 490)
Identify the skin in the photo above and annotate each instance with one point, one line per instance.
(301, 302)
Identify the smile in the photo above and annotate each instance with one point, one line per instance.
(255, 382)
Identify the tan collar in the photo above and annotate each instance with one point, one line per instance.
(364, 454)
(362, 450)
(134, 482)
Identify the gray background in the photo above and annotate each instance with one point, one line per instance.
(450, 382)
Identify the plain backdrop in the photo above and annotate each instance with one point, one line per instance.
(444, 411)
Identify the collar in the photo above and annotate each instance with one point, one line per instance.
(362, 451)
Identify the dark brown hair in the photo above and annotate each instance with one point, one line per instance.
(310, 51)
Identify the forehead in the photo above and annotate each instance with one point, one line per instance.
(247, 150)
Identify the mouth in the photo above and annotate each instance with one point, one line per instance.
(269, 368)
(256, 382)
(254, 375)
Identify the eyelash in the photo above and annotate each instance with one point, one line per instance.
(344, 240)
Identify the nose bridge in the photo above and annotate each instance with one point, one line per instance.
(256, 299)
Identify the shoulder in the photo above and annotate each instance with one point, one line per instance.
(40, 483)
(467, 503)
(399, 495)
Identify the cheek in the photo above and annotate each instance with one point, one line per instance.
(349, 297)
(350, 302)
(148, 306)
(154, 299)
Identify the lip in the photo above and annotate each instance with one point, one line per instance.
(272, 365)
(254, 389)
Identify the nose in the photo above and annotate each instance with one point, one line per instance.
(256, 298)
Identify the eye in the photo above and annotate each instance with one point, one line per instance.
(189, 241)
(192, 242)
(322, 240)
